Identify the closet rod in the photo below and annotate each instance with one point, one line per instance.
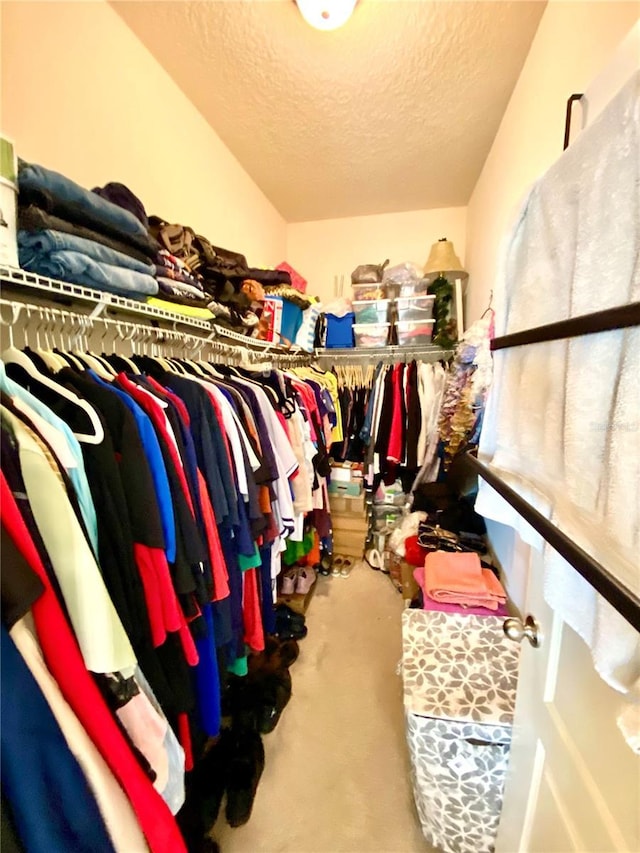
(620, 317)
(619, 596)
(373, 355)
(21, 282)
(141, 333)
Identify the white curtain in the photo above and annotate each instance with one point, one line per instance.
(563, 419)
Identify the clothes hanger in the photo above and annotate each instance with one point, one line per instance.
(53, 362)
(12, 355)
(127, 338)
(66, 359)
(106, 367)
(89, 360)
(148, 358)
(192, 363)
(488, 309)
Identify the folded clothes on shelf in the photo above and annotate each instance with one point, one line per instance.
(185, 293)
(34, 218)
(35, 245)
(85, 202)
(198, 312)
(81, 269)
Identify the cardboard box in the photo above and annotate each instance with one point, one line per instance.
(347, 505)
(340, 474)
(348, 546)
(272, 318)
(351, 489)
(351, 523)
(410, 586)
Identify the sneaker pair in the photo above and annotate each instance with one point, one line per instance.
(342, 567)
(299, 581)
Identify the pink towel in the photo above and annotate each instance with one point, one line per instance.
(443, 607)
(458, 578)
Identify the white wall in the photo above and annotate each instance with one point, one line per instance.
(83, 96)
(327, 248)
(573, 43)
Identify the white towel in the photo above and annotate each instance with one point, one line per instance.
(563, 420)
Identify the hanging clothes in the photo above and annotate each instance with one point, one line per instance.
(390, 420)
(152, 554)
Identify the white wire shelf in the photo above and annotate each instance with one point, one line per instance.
(22, 281)
(426, 352)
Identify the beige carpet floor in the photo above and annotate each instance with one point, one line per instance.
(337, 775)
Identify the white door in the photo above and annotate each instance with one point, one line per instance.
(573, 783)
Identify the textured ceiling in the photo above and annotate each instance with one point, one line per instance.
(395, 111)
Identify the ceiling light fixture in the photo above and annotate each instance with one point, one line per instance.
(326, 14)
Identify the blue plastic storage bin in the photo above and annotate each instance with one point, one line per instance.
(339, 331)
(291, 320)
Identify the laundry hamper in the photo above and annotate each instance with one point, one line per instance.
(459, 677)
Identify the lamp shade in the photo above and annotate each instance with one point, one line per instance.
(443, 259)
(326, 14)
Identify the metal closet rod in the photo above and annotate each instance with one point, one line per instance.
(618, 595)
(127, 330)
(386, 354)
(620, 317)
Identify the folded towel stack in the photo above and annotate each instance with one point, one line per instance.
(458, 578)
(81, 236)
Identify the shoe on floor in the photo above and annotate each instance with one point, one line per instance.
(204, 790)
(289, 625)
(289, 581)
(275, 692)
(326, 563)
(306, 579)
(323, 568)
(279, 653)
(347, 565)
(246, 763)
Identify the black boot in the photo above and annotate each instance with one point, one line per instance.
(276, 692)
(246, 763)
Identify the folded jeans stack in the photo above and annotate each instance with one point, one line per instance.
(81, 236)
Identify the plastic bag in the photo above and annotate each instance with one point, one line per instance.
(406, 273)
(368, 273)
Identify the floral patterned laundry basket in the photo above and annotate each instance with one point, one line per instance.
(460, 675)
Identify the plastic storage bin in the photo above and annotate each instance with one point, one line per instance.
(413, 288)
(415, 308)
(8, 203)
(371, 310)
(371, 334)
(339, 331)
(376, 290)
(414, 332)
(291, 320)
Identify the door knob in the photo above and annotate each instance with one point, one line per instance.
(515, 630)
